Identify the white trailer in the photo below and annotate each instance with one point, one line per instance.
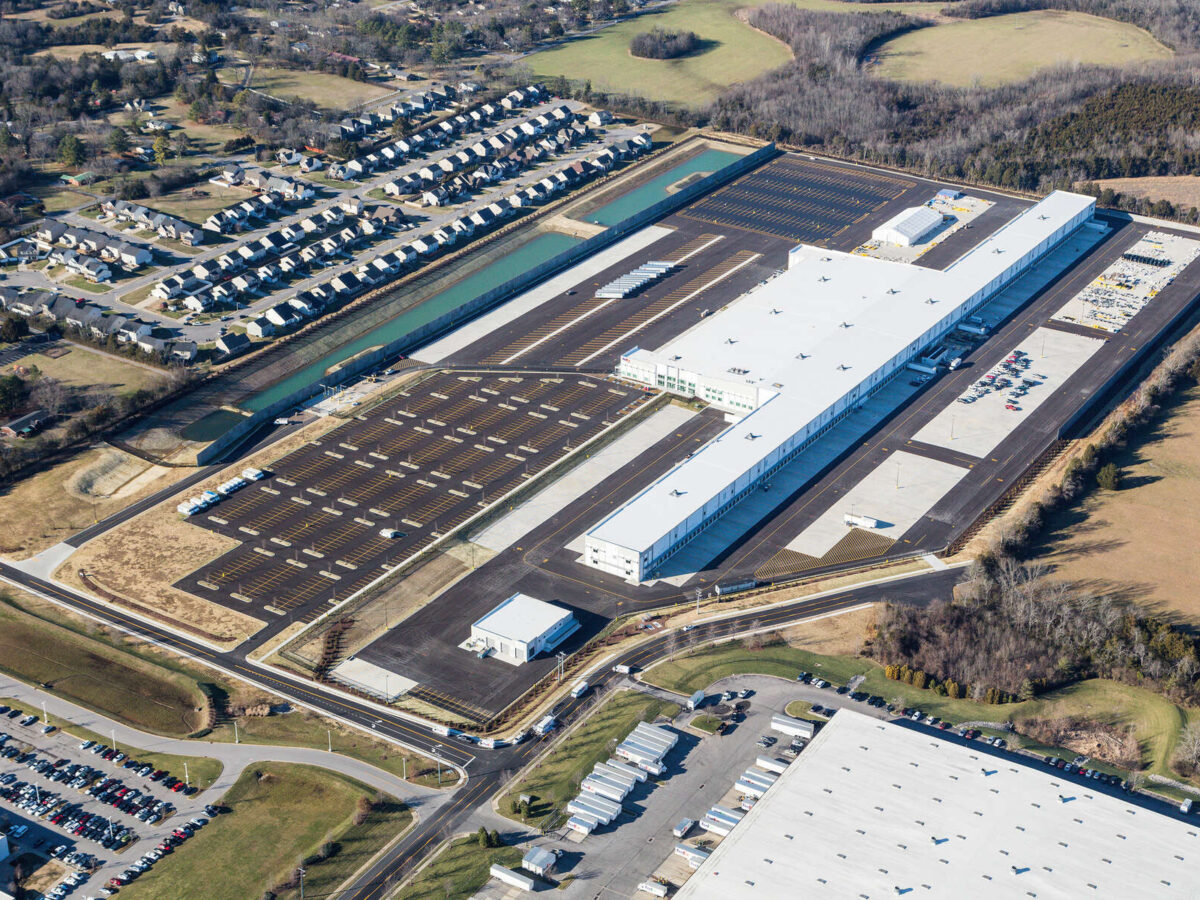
(600, 770)
(511, 878)
(716, 826)
(695, 856)
(579, 689)
(661, 734)
(793, 727)
(602, 787)
(778, 766)
(653, 888)
(764, 778)
(750, 790)
(583, 823)
(722, 813)
(599, 808)
(854, 520)
(545, 726)
(631, 771)
(655, 753)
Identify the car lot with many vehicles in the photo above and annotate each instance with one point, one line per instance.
(88, 805)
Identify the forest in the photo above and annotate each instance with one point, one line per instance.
(1013, 629)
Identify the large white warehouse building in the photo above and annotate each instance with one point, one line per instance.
(793, 357)
(877, 810)
(908, 226)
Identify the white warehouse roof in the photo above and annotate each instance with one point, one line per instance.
(522, 618)
(908, 226)
(806, 340)
(875, 810)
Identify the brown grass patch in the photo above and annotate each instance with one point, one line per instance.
(1140, 541)
(842, 635)
(142, 558)
(1182, 190)
(43, 509)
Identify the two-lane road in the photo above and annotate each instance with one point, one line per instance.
(486, 769)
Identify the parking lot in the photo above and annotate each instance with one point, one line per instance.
(334, 515)
(800, 199)
(90, 806)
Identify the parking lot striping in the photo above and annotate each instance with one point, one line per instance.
(693, 247)
(591, 310)
(740, 260)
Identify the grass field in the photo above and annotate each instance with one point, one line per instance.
(155, 692)
(325, 90)
(1012, 47)
(555, 780)
(201, 770)
(731, 52)
(196, 203)
(458, 871)
(1140, 541)
(97, 675)
(63, 511)
(83, 368)
(280, 814)
(707, 724)
(1182, 190)
(1155, 720)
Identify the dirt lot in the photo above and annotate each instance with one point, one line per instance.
(1140, 541)
(1182, 190)
(72, 495)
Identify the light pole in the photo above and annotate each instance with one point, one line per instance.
(186, 778)
(698, 600)
(329, 734)
(236, 740)
(301, 871)
(45, 715)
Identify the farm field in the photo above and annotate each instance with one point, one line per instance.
(1012, 47)
(281, 813)
(329, 91)
(1140, 541)
(731, 52)
(1182, 190)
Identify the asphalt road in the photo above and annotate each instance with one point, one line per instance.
(487, 770)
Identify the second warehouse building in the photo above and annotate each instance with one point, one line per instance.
(793, 357)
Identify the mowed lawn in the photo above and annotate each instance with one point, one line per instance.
(100, 677)
(323, 89)
(1009, 48)
(458, 871)
(555, 780)
(1140, 541)
(731, 52)
(82, 368)
(1156, 721)
(280, 813)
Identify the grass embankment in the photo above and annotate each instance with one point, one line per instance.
(458, 871)
(201, 770)
(280, 814)
(555, 779)
(1154, 720)
(1000, 49)
(139, 686)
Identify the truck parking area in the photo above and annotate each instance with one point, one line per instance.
(337, 513)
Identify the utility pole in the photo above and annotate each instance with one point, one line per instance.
(562, 659)
(186, 778)
(698, 594)
(45, 715)
(329, 734)
(302, 873)
(236, 740)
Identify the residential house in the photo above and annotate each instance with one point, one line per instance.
(260, 328)
(183, 351)
(232, 344)
(282, 315)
